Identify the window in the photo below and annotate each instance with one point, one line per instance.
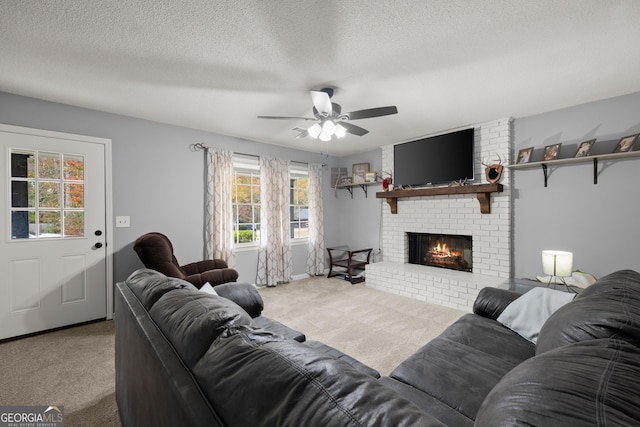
(246, 199)
(47, 194)
(299, 191)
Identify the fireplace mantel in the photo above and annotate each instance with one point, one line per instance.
(482, 191)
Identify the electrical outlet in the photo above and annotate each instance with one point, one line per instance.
(123, 221)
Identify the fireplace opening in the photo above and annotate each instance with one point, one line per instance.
(441, 250)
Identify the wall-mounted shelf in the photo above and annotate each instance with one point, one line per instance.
(363, 185)
(482, 191)
(545, 165)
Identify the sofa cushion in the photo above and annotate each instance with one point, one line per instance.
(462, 365)
(279, 328)
(587, 383)
(150, 285)
(526, 315)
(191, 320)
(294, 385)
(333, 352)
(610, 308)
(444, 413)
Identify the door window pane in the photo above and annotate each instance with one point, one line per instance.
(73, 195)
(23, 194)
(47, 194)
(23, 223)
(74, 223)
(49, 166)
(49, 224)
(73, 168)
(23, 164)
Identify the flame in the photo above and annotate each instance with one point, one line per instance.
(442, 249)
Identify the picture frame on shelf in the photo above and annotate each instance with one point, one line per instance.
(626, 143)
(371, 176)
(524, 155)
(585, 148)
(359, 171)
(551, 152)
(345, 180)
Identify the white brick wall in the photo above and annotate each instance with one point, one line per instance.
(453, 214)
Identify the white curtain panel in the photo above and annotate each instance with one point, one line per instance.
(315, 257)
(219, 211)
(274, 257)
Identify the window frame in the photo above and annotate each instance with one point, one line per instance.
(246, 165)
(298, 170)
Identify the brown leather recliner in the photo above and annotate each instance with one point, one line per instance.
(156, 252)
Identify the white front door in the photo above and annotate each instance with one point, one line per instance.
(53, 239)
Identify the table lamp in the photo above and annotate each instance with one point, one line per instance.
(557, 264)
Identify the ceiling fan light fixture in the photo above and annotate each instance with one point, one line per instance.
(330, 119)
(314, 131)
(328, 127)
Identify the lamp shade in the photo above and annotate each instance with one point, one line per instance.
(314, 131)
(557, 263)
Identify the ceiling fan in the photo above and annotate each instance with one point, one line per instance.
(330, 119)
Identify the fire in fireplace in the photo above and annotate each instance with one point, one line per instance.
(441, 250)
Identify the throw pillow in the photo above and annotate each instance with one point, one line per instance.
(207, 288)
(526, 315)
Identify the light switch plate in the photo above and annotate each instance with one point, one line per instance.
(123, 221)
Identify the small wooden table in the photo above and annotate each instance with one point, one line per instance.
(343, 257)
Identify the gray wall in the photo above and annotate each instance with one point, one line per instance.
(157, 180)
(358, 220)
(598, 223)
(160, 184)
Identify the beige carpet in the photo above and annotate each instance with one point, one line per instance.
(74, 367)
(377, 328)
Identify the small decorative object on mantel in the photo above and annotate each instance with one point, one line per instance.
(458, 183)
(626, 143)
(493, 172)
(386, 181)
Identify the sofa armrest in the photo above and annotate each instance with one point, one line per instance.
(214, 277)
(491, 302)
(243, 294)
(202, 266)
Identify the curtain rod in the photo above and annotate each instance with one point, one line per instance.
(199, 146)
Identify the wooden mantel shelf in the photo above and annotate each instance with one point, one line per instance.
(482, 191)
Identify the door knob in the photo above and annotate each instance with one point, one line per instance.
(98, 245)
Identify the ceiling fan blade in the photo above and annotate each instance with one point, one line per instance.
(301, 132)
(372, 112)
(356, 130)
(286, 118)
(322, 102)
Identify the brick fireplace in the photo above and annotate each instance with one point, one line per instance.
(449, 214)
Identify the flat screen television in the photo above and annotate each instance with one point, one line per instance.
(434, 160)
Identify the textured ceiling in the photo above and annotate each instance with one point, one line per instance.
(216, 65)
